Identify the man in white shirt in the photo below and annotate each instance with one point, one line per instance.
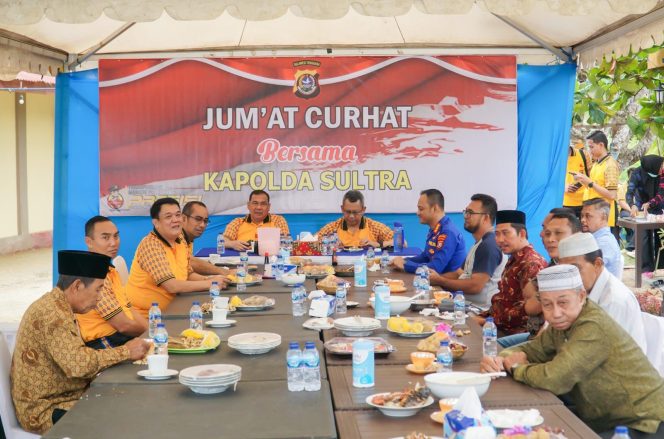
(582, 251)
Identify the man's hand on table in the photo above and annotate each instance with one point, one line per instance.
(513, 359)
(241, 246)
(645, 207)
(138, 348)
(364, 242)
(437, 279)
(397, 263)
(492, 364)
(478, 319)
(220, 279)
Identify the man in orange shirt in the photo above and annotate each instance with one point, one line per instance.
(241, 230)
(195, 220)
(355, 229)
(161, 265)
(113, 321)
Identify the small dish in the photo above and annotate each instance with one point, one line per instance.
(351, 304)
(145, 373)
(431, 369)
(220, 324)
(398, 412)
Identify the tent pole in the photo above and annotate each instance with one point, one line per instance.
(91, 51)
(566, 57)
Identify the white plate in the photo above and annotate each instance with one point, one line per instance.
(221, 323)
(318, 323)
(351, 304)
(503, 420)
(398, 412)
(411, 334)
(253, 307)
(145, 373)
(447, 315)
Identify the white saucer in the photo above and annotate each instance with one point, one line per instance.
(145, 373)
(221, 323)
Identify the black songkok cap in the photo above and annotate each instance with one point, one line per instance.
(83, 264)
(510, 216)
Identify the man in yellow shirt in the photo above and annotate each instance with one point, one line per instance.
(241, 230)
(354, 229)
(113, 321)
(195, 220)
(161, 265)
(577, 163)
(603, 179)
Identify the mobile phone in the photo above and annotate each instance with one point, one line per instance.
(572, 173)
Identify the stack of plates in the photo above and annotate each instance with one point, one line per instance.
(252, 343)
(357, 326)
(211, 378)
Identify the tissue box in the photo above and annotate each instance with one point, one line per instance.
(306, 248)
(457, 425)
(332, 302)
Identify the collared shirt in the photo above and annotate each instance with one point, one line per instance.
(575, 163)
(243, 229)
(484, 257)
(604, 173)
(155, 262)
(51, 366)
(444, 251)
(620, 303)
(598, 365)
(507, 306)
(113, 301)
(610, 251)
(368, 229)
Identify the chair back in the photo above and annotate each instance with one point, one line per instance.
(9, 422)
(121, 267)
(654, 329)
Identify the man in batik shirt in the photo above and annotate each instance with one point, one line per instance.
(52, 367)
(507, 306)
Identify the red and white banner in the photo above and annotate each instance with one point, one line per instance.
(307, 130)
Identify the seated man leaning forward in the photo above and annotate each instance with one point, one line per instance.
(586, 355)
(241, 230)
(195, 220)
(445, 249)
(161, 266)
(51, 366)
(484, 263)
(594, 219)
(113, 321)
(355, 229)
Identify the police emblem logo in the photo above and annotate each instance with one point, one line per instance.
(306, 84)
(114, 200)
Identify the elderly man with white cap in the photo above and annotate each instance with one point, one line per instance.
(586, 355)
(582, 251)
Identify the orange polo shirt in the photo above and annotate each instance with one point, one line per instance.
(243, 229)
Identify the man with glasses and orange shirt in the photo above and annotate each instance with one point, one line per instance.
(355, 229)
(161, 267)
(479, 277)
(240, 231)
(195, 220)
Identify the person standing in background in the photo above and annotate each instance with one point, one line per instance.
(578, 162)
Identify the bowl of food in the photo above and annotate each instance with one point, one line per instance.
(293, 278)
(453, 384)
(401, 404)
(398, 304)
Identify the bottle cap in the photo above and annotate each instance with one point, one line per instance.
(155, 304)
(489, 320)
(309, 344)
(293, 345)
(196, 302)
(214, 282)
(160, 325)
(621, 429)
(444, 343)
(297, 285)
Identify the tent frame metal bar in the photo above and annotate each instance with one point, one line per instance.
(601, 39)
(80, 59)
(563, 55)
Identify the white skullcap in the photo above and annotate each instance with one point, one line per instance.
(559, 278)
(578, 244)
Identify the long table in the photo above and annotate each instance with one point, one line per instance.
(640, 228)
(262, 407)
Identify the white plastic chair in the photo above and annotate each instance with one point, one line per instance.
(121, 267)
(654, 329)
(9, 422)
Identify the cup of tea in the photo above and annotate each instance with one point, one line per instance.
(422, 360)
(220, 302)
(219, 314)
(158, 364)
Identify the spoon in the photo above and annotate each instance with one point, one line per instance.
(420, 294)
(480, 378)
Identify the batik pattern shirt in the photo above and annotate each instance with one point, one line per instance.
(507, 306)
(51, 366)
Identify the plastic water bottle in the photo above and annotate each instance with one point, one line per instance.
(398, 237)
(160, 340)
(294, 368)
(214, 290)
(311, 360)
(490, 338)
(334, 241)
(298, 296)
(417, 278)
(459, 309)
(279, 268)
(196, 316)
(221, 244)
(241, 275)
(340, 294)
(385, 262)
(326, 246)
(154, 318)
(360, 268)
(371, 254)
(444, 357)
(621, 432)
(425, 285)
(244, 261)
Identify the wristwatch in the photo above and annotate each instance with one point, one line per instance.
(591, 184)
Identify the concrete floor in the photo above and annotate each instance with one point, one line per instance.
(24, 277)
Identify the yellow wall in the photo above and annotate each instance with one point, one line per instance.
(40, 115)
(8, 220)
